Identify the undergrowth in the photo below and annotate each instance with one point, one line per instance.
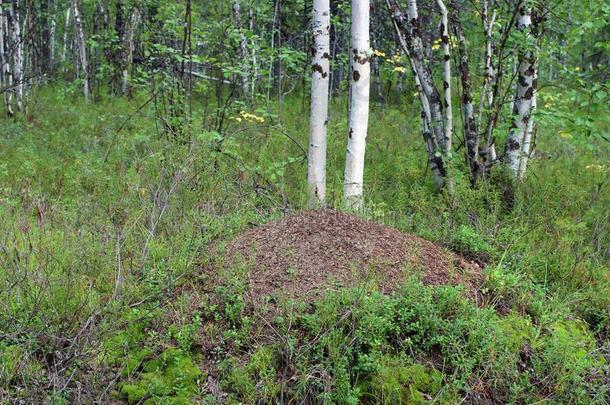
(104, 237)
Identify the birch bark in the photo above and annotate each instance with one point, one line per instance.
(488, 71)
(316, 162)
(5, 66)
(527, 138)
(408, 29)
(448, 119)
(471, 132)
(243, 47)
(16, 49)
(130, 45)
(360, 79)
(82, 48)
(53, 9)
(526, 87)
(253, 78)
(64, 50)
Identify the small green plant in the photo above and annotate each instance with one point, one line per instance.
(469, 241)
(172, 377)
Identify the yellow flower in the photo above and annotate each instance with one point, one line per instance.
(435, 47)
(596, 168)
(400, 69)
(251, 117)
(378, 53)
(577, 69)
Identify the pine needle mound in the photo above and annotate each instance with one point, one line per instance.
(304, 254)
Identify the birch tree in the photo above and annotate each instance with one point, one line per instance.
(316, 162)
(243, 47)
(360, 78)
(64, 49)
(130, 45)
(526, 87)
(52, 30)
(410, 34)
(16, 49)
(527, 138)
(448, 119)
(5, 67)
(470, 128)
(488, 70)
(82, 48)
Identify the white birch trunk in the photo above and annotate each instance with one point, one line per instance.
(243, 47)
(527, 138)
(488, 70)
(7, 78)
(448, 121)
(432, 107)
(16, 48)
(424, 74)
(360, 79)
(64, 49)
(52, 32)
(82, 48)
(254, 72)
(526, 87)
(131, 32)
(470, 128)
(316, 162)
(437, 174)
(2, 51)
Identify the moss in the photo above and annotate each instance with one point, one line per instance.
(568, 345)
(133, 392)
(172, 377)
(16, 364)
(515, 331)
(10, 357)
(255, 380)
(398, 382)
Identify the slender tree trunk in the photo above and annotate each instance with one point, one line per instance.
(130, 47)
(254, 71)
(360, 79)
(527, 138)
(6, 75)
(488, 70)
(526, 88)
(409, 30)
(243, 48)
(489, 150)
(52, 30)
(471, 131)
(64, 49)
(376, 71)
(444, 32)
(82, 48)
(316, 162)
(276, 11)
(279, 72)
(16, 48)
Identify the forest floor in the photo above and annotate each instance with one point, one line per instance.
(138, 269)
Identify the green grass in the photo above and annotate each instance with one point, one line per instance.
(103, 236)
